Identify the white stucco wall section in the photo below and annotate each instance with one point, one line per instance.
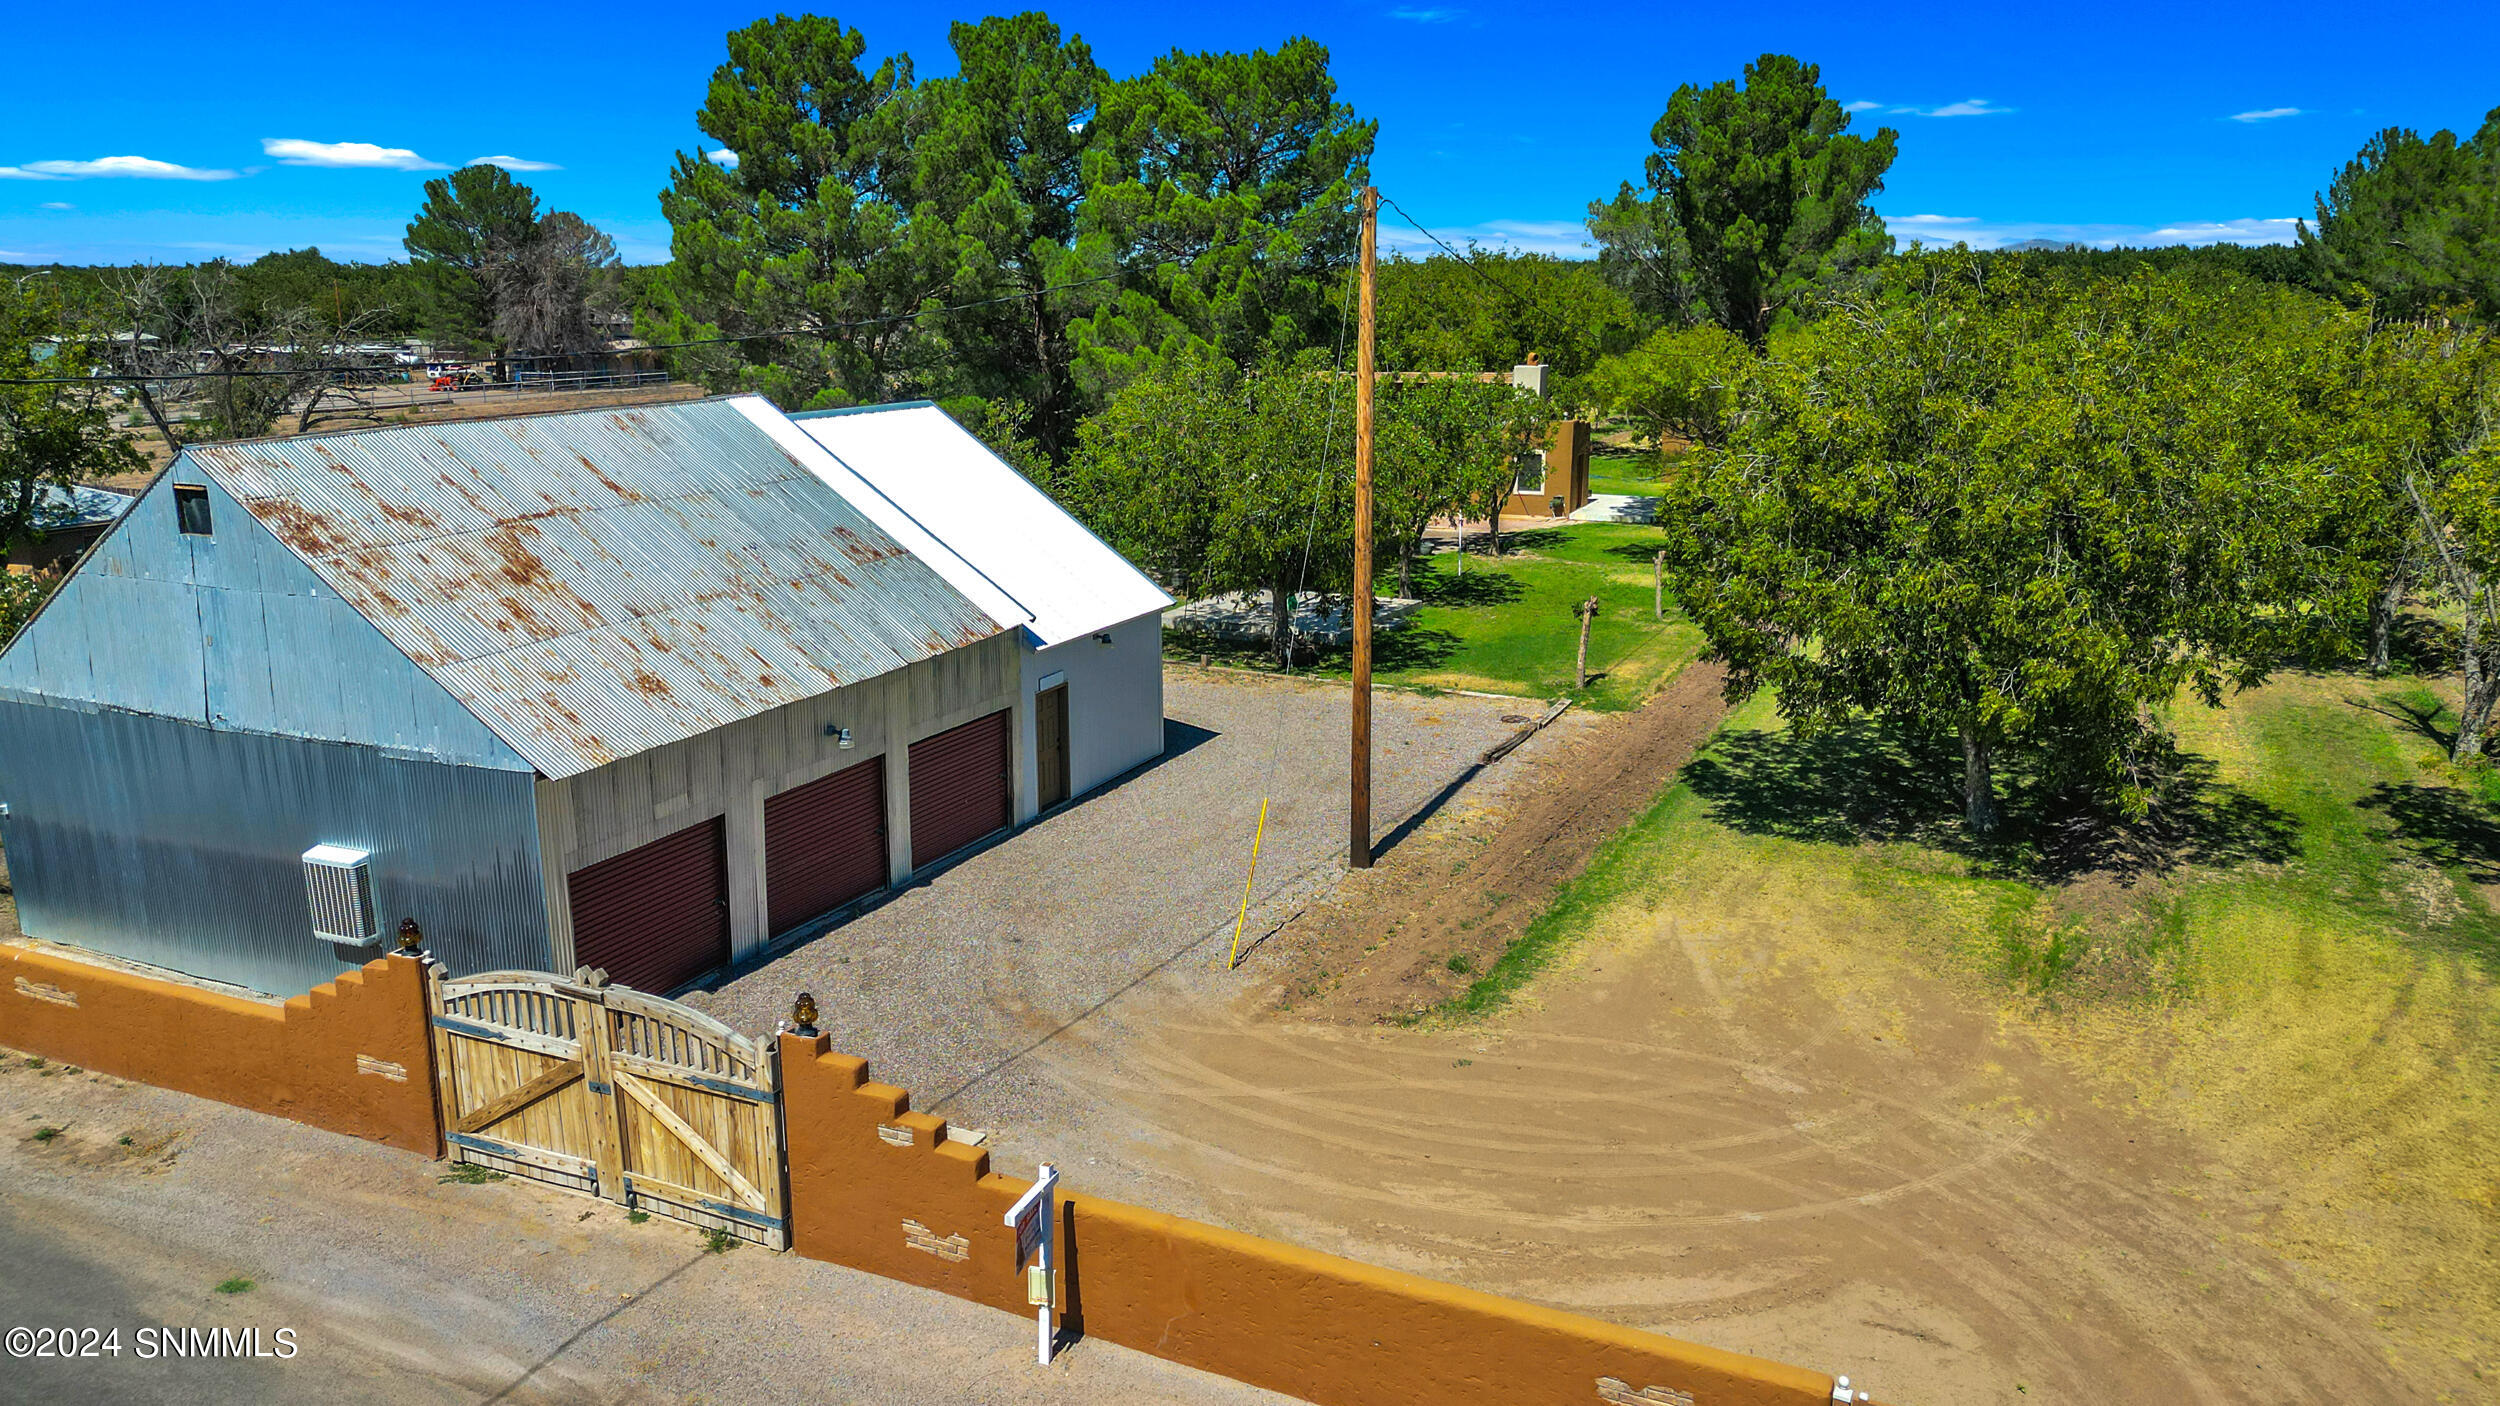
(1115, 706)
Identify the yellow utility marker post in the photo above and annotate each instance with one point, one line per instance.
(1233, 959)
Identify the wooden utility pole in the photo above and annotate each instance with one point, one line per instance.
(1359, 843)
(1658, 587)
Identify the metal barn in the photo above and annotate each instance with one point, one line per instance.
(638, 689)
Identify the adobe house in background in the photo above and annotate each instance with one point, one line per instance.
(634, 689)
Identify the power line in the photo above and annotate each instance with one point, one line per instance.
(1505, 289)
(1526, 303)
(816, 332)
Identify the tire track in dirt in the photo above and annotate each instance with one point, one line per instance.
(1701, 1141)
(1736, 1133)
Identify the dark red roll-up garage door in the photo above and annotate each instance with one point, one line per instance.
(655, 917)
(960, 788)
(824, 844)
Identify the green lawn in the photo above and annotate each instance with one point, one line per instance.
(2304, 973)
(1505, 624)
(1639, 474)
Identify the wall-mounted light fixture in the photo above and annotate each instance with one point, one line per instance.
(841, 736)
(1102, 637)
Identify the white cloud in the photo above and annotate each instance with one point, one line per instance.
(1423, 16)
(514, 163)
(1940, 231)
(1567, 238)
(15, 254)
(135, 167)
(1861, 105)
(56, 205)
(346, 156)
(1967, 107)
(2275, 230)
(2265, 114)
(724, 158)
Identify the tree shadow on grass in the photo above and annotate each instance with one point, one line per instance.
(2454, 831)
(2422, 716)
(1642, 552)
(1477, 587)
(1878, 783)
(2443, 825)
(1531, 539)
(1412, 646)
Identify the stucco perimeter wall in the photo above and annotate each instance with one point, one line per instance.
(350, 1055)
(879, 1188)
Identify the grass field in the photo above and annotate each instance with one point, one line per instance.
(1506, 624)
(2296, 966)
(1639, 472)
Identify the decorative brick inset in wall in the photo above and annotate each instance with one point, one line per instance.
(1620, 1393)
(862, 1163)
(946, 1247)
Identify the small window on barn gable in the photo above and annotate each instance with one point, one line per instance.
(191, 509)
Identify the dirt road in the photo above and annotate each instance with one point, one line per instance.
(1765, 1137)
(397, 1289)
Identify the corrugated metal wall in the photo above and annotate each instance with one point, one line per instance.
(180, 845)
(234, 631)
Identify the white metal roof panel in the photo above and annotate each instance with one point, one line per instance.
(889, 515)
(989, 519)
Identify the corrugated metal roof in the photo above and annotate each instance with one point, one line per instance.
(993, 527)
(57, 508)
(596, 584)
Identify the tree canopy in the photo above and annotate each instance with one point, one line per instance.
(496, 275)
(1216, 478)
(1680, 384)
(1446, 445)
(2016, 509)
(51, 436)
(1029, 231)
(2412, 224)
(1440, 314)
(1756, 194)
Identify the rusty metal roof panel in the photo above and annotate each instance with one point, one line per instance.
(595, 584)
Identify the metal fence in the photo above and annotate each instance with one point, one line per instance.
(578, 380)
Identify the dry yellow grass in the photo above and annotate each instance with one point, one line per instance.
(2314, 1003)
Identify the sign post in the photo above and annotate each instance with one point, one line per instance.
(1035, 1219)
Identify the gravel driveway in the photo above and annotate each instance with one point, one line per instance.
(946, 985)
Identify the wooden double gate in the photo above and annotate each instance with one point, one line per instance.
(613, 1093)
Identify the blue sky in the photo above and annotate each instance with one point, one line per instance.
(239, 129)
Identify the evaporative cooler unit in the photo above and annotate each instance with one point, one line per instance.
(338, 884)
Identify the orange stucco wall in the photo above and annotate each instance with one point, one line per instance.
(1325, 1329)
(352, 1056)
(1566, 473)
